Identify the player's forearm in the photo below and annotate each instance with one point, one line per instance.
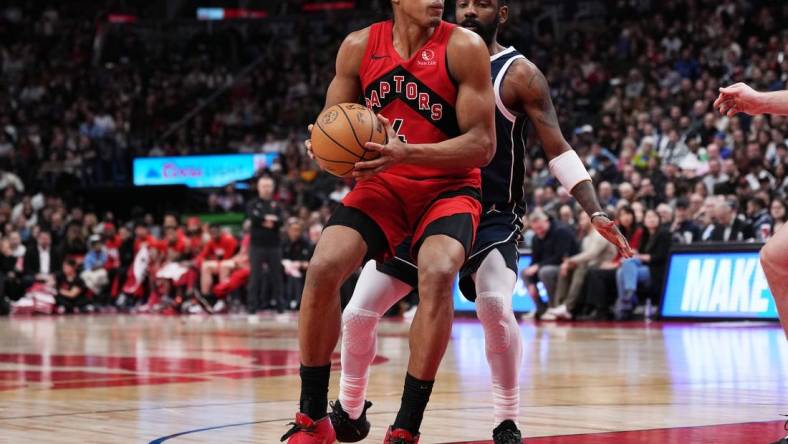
(470, 150)
(775, 102)
(585, 195)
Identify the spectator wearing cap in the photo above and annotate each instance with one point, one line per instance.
(95, 274)
(265, 249)
(684, 227)
(727, 226)
(552, 243)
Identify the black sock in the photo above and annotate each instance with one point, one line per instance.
(314, 390)
(414, 400)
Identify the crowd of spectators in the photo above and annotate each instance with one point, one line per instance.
(77, 261)
(633, 90)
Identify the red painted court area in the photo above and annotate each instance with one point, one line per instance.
(744, 433)
(85, 371)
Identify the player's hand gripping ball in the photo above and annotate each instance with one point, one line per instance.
(339, 136)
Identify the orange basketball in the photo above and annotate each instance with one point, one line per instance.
(340, 134)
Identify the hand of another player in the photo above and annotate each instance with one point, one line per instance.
(308, 143)
(609, 230)
(738, 98)
(392, 153)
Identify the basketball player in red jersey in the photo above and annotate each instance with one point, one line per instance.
(488, 278)
(431, 81)
(740, 98)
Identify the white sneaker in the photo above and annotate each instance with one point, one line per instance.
(410, 313)
(561, 312)
(220, 306)
(548, 316)
(196, 309)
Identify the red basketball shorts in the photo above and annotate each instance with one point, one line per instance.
(388, 208)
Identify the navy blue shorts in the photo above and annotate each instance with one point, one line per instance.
(498, 230)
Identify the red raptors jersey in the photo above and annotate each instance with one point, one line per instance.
(417, 95)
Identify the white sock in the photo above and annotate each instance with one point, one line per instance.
(374, 294)
(503, 343)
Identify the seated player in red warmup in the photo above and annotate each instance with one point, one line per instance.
(221, 246)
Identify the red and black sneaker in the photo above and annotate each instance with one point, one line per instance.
(400, 436)
(347, 429)
(307, 431)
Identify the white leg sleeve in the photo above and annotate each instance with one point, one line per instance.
(375, 293)
(494, 287)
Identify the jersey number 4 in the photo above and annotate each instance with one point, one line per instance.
(397, 126)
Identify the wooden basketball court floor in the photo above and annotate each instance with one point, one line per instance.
(146, 379)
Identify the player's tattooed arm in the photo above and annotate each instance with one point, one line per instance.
(526, 92)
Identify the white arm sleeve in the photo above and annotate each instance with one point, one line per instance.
(569, 170)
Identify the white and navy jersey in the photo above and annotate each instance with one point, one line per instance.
(503, 178)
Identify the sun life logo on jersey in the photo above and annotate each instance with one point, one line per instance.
(427, 58)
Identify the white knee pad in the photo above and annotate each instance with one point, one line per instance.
(359, 330)
(492, 311)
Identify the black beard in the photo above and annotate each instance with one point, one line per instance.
(486, 32)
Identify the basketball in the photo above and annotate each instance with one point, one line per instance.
(340, 135)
